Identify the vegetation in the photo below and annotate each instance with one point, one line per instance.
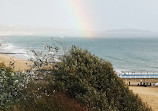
(11, 85)
(39, 96)
(80, 81)
(92, 81)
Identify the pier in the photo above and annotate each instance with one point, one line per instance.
(140, 78)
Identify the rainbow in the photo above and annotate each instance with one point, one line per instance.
(81, 18)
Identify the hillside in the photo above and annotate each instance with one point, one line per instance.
(79, 80)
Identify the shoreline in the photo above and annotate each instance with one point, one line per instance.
(19, 64)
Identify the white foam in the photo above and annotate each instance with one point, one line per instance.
(17, 51)
(118, 71)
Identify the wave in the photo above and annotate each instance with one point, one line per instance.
(13, 50)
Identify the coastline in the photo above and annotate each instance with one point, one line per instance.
(20, 64)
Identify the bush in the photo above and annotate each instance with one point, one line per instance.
(40, 96)
(93, 82)
(11, 85)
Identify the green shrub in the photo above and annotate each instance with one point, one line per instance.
(11, 85)
(93, 82)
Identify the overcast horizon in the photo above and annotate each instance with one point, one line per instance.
(80, 15)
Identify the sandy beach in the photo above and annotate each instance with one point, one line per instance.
(148, 95)
(18, 63)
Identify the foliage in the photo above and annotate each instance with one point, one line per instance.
(39, 96)
(43, 61)
(92, 81)
(11, 85)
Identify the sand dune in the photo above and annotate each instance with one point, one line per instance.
(148, 95)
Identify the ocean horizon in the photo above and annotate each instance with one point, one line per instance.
(125, 54)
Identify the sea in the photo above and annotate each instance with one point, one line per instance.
(125, 54)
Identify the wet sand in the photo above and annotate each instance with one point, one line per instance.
(148, 95)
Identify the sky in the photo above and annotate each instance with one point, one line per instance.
(92, 15)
